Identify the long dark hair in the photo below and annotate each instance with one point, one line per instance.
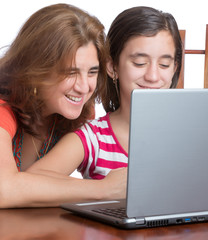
(139, 21)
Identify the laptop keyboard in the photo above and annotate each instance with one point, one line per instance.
(114, 212)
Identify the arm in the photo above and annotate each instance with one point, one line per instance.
(62, 159)
(27, 189)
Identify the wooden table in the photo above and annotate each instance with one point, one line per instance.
(56, 223)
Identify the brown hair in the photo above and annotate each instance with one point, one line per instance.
(139, 21)
(49, 37)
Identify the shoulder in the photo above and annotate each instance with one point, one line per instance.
(7, 119)
(96, 126)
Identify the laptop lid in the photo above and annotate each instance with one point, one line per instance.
(168, 162)
(168, 152)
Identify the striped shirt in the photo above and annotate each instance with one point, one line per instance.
(103, 152)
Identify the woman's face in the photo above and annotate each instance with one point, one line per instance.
(146, 63)
(68, 97)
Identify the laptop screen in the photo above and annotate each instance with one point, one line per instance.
(168, 152)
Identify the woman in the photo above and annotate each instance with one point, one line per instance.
(146, 51)
(49, 79)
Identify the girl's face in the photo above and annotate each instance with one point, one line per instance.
(146, 62)
(68, 97)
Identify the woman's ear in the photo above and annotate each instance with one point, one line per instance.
(111, 69)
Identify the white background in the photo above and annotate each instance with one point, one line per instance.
(189, 14)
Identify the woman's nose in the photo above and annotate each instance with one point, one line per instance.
(82, 84)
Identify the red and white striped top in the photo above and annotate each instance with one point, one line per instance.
(103, 152)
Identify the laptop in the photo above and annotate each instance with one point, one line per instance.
(168, 163)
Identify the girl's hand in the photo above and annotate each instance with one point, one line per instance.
(115, 184)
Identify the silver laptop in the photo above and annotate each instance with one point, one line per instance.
(168, 163)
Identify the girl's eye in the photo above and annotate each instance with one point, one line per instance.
(164, 65)
(140, 64)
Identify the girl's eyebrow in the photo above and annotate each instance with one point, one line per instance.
(168, 56)
(136, 55)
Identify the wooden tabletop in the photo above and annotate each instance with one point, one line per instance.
(56, 223)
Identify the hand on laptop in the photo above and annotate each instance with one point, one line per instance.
(115, 183)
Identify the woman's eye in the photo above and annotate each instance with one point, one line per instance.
(94, 72)
(73, 73)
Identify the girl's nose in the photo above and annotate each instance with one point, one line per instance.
(152, 73)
